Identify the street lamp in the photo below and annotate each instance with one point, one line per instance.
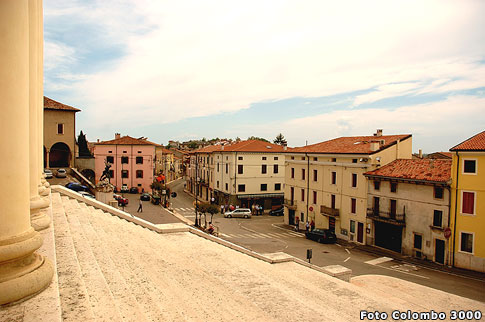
(195, 192)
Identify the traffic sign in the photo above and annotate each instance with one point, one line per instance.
(447, 232)
(311, 208)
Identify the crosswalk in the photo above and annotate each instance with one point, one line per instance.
(262, 235)
(189, 209)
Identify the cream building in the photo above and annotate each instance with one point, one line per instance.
(325, 181)
(59, 134)
(409, 205)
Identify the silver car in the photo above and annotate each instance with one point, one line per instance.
(61, 173)
(238, 212)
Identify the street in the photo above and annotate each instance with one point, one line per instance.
(266, 234)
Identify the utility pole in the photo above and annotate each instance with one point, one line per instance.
(196, 188)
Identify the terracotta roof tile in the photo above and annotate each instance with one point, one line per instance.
(440, 155)
(351, 144)
(50, 104)
(245, 146)
(437, 170)
(127, 140)
(475, 143)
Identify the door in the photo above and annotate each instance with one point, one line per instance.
(376, 206)
(360, 232)
(439, 251)
(291, 217)
(331, 224)
(393, 209)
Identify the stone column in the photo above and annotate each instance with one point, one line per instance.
(38, 206)
(22, 271)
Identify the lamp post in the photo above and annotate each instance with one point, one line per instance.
(195, 192)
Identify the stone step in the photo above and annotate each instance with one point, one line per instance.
(100, 297)
(140, 285)
(126, 303)
(72, 290)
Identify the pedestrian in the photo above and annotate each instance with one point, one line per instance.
(140, 207)
(312, 225)
(261, 210)
(307, 226)
(297, 223)
(252, 209)
(222, 209)
(212, 200)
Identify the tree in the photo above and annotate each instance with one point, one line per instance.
(257, 138)
(83, 145)
(193, 145)
(280, 139)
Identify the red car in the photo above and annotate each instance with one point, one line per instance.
(121, 201)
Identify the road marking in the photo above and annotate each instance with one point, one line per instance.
(222, 234)
(379, 260)
(295, 234)
(338, 245)
(346, 259)
(273, 235)
(348, 251)
(189, 216)
(263, 235)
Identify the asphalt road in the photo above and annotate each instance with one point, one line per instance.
(266, 234)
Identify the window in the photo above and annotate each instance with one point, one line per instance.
(263, 168)
(466, 242)
(277, 186)
(332, 201)
(438, 218)
(293, 173)
(241, 187)
(292, 194)
(334, 159)
(264, 187)
(315, 175)
(275, 168)
(227, 168)
(110, 151)
(139, 173)
(314, 197)
(377, 185)
(302, 194)
(302, 174)
(438, 192)
(239, 169)
(124, 173)
(469, 166)
(111, 173)
(334, 177)
(303, 158)
(227, 187)
(110, 159)
(353, 205)
(354, 180)
(124, 160)
(263, 158)
(315, 159)
(468, 202)
(217, 183)
(60, 128)
(418, 244)
(354, 160)
(393, 186)
(125, 151)
(393, 208)
(139, 160)
(292, 158)
(302, 216)
(139, 151)
(218, 167)
(239, 158)
(352, 226)
(275, 158)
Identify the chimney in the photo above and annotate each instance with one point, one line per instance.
(98, 140)
(420, 153)
(117, 135)
(374, 146)
(378, 133)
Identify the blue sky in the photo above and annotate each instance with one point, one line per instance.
(311, 71)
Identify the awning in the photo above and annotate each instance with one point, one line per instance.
(262, 195)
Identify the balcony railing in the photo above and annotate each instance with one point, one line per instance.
(291, 204)
(386, 216)
(329, 211)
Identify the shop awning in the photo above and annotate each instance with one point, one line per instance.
(262, 195)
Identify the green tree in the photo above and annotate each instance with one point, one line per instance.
(280, 139)
(257, 138)
(193, 145)
(83, 145)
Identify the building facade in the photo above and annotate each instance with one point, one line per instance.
(325, 182)
(468, 204)
(59, 134)
(408, 203)
(132, 161)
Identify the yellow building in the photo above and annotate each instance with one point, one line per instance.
(166, 163)
(468, 204)
(325, 182)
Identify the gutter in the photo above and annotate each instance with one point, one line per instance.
(456, 207)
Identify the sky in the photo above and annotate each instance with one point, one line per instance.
(311, 70)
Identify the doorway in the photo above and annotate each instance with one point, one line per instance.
(331, 224)
(291, 217)
(439, 251)
(360, 232)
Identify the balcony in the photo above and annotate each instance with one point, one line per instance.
(290, 204)
(387, 217)
(327, 211)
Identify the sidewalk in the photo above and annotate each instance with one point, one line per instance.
(402, 258)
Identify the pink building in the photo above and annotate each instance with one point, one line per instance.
(132, 161)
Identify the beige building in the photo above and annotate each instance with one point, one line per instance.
(166, 163)
(242, 174)
(409, 203)
(59, 134)
(325, 181)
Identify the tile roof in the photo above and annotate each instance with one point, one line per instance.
(165, 150)
(245, 146)
(436, 170)
(440, 155)
(351, 144)
(50, 104)
(475, 143)
(127, 140)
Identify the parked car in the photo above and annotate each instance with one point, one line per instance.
(277, 212)
(76, 186)
(87, 195)
(61, 173)
(121, 201)
(145, 196)
(48, 174)
(155, 199)
(133, 190)
(238, 212)
(325, 236)
(124, 188)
